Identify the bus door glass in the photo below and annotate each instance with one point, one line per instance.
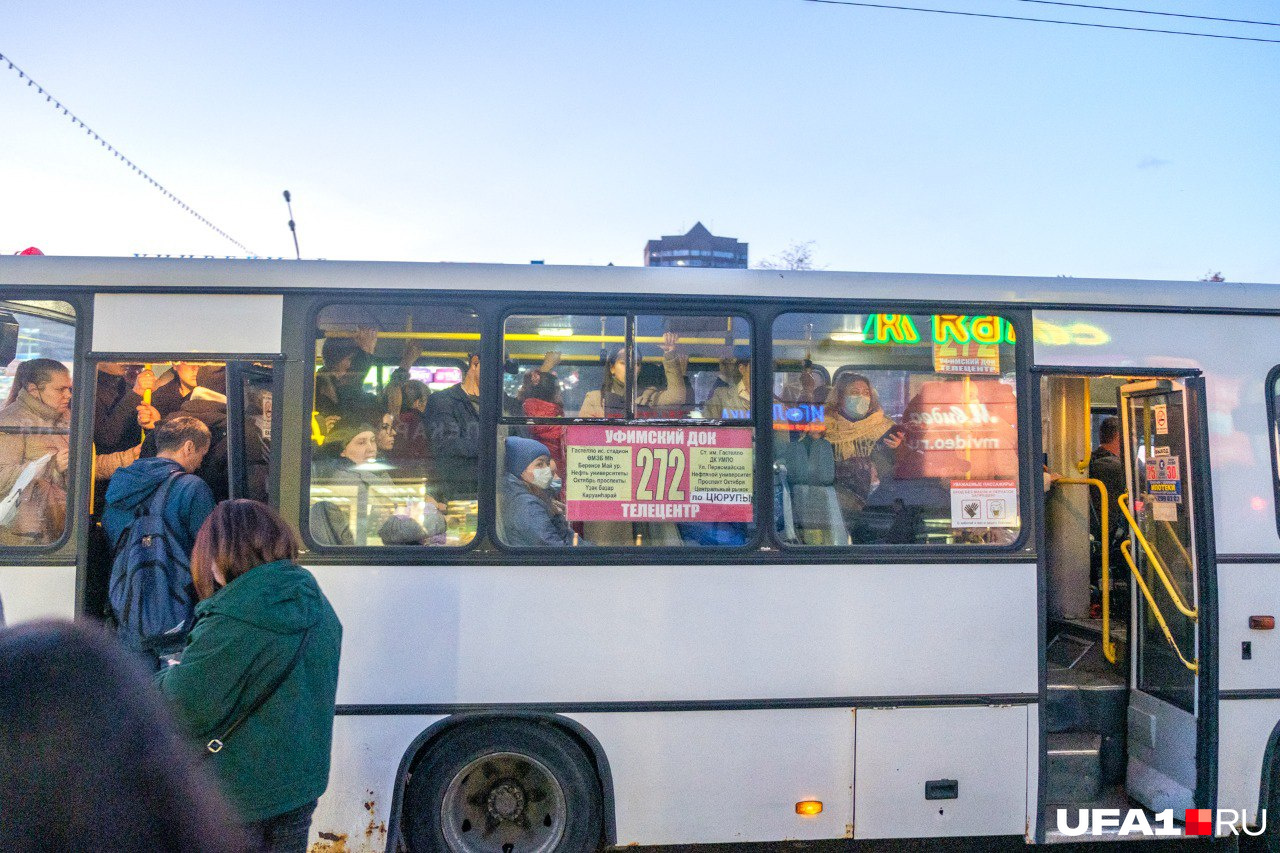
(1168, 516)
(251, 390)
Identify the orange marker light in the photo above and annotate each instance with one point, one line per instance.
(1262, 623)
(809, 808)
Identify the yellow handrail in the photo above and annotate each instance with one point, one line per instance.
(1161, 571)
(1127, 550)
(1108, 645)
(1176, 541)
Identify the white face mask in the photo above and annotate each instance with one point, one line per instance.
(857, 406)
(542, 477)
(556, 484)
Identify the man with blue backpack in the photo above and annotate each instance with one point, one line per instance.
(154, 509)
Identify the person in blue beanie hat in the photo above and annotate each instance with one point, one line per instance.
(530, 516)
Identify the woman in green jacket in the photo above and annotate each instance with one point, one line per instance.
(257, 680)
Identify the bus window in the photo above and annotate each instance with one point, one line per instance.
(395, 426)
(38, 339)
(588, 452)
(895, 429)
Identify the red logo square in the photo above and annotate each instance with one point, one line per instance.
(1199, 822)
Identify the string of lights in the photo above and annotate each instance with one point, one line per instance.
(60, 107)
(1153, 12)
(1041, 20)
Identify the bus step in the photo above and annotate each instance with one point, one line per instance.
(1074, 767)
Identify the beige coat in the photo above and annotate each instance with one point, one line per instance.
(42, 511)
(675, 394)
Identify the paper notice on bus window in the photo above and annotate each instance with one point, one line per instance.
(1161, 412)
(658, 474)
(984, 503)
(1164, 511)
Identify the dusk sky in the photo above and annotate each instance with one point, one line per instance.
(574, 131)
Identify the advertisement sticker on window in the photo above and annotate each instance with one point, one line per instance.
(984, 503)
(658, 474)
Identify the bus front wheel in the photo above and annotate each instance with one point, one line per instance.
(504, 786)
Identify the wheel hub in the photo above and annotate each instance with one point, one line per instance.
(506, 801)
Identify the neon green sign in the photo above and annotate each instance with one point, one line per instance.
(900, 329)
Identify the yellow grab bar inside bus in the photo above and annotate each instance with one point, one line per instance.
(1108, 644)
(1157, 564)
(1127, 550)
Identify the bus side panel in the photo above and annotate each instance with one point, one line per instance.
(975, 759)
(37, 592)
(1244, 726)
(640, 634)
(355, 812)
(1244, 590)
(703, 777)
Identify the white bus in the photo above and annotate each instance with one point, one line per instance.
(802, 577)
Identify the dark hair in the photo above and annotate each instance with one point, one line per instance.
(411, 392)
(177, 429)
(37, 372)
(90, 756)
(539, 385)
(237, 536)
(334, 350)
(1108, 429)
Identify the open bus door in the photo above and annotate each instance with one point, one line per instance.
(1169, 510)
(251, 389)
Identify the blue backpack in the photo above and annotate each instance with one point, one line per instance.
(151, 591)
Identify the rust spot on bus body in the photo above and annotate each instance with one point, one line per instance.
(330, 842)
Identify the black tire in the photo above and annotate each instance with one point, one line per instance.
(483, 786)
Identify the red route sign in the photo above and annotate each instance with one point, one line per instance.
(659, 473)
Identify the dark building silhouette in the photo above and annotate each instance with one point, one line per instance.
(698, 248)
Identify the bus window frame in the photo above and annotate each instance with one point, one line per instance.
(629, 316)
(82, 401)
(1028, 476)
(388, 554)
(493, 306)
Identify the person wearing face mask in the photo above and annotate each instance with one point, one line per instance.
(865, 441)
(531, 517)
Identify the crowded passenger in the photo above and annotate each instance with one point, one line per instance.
(90, 757)
(453, 429)
(1106, 465)
(348, 458)
(731, 400)
(340, 380)
(345, 362)
(650, 401)
(119, 419)
(411, 446)
(864, 440)
(181, 444)
(260, 670)
(531, 516)
(35, 452)
(540, 397)
(184, 382)
(402, 529)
